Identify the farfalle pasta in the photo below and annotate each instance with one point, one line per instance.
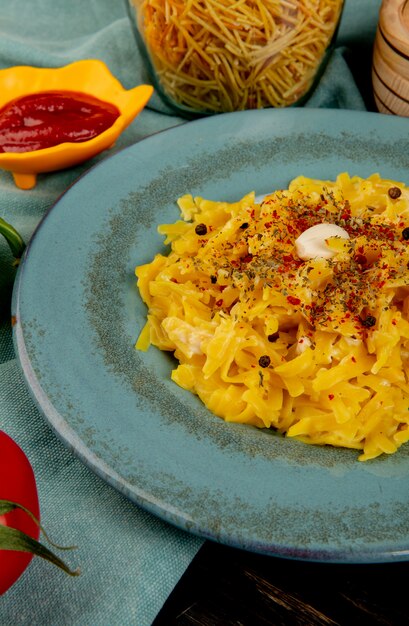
(314, 348)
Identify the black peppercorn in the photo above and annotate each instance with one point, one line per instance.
(405, 234)
(213, 279)
(264, 361)
(368, 321)
(244, 225)
(273, 337)
(394, 193)
(201, 229)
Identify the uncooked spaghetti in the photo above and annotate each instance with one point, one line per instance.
(218, 55)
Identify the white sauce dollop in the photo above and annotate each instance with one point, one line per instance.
(312, 242)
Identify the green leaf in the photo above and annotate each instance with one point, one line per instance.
(13, 238)
(13, 539)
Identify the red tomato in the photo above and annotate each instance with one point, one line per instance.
(17, 483)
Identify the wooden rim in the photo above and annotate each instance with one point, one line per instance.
(394, 25)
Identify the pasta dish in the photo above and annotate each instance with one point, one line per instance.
(291, 312)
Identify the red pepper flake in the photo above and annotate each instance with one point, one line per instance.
(360, 259)
(353, 359)
(288, 258)
(247, 258)
(293, 300)
(174, 280)
(219, 302)
(331, 396)
(394, 322)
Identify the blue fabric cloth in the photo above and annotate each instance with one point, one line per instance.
(130, 560)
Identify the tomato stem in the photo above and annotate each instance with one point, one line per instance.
(8, 505)
(14, 539)
(13, 238)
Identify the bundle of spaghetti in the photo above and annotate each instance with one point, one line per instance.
(217, 55)
(318, 348)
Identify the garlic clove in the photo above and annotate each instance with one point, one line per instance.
(312, 242)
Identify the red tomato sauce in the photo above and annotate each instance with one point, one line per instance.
(46, 119)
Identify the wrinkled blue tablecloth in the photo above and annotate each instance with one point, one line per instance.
(130, 560)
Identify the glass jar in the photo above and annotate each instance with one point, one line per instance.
(214, 56)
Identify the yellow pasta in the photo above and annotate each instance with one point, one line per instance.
(218, 55)
(316, 348)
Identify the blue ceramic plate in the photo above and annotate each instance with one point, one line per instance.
(79, 313)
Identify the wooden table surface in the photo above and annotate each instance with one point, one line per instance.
(225, 586)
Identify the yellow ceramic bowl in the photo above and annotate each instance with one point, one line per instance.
(89, 76)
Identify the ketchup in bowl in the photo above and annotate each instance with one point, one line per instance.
(42, 120)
